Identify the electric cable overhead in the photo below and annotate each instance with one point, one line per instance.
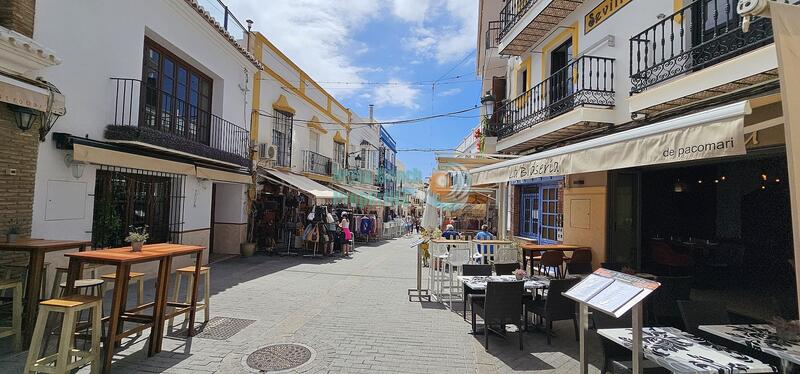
(264, 113)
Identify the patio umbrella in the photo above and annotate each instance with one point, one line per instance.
(430, 216)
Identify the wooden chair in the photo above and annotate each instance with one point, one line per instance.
(62, 361)
(134, 277)
(552, 260)
(15, 330)
(60, 280)
(189, 272)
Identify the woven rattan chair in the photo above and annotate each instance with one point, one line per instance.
(501, 306)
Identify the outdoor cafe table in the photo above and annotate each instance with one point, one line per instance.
(760, 337)
(529, 249)
(681, 352)
(37, 248)
(478, 282)
(123, 258)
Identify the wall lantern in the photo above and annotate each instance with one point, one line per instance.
(24, 117)
(488, 104)
(77, 167)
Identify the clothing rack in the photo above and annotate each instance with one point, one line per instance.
(357, 229)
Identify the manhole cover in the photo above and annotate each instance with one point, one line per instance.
(218, 328)
(279, 357)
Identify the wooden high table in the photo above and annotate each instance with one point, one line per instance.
(123, 258)
(37, 248)
(529, 249)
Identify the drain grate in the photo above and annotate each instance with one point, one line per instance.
(218, 328)
(277, 357)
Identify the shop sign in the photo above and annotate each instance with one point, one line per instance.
(602, 12)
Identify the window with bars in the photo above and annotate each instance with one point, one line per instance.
(282, 137)
(131, 197)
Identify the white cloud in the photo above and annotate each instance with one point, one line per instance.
(411, 10)
(447, 41)
(316, 34)
(450, 92)
(396, 94)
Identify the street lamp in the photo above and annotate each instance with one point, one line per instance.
(24, 117)
(488, 109)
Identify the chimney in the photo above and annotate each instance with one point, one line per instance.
(372, 112)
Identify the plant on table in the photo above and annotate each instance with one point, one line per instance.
(788, 331)
(520, 274)
(137, 236)
(13, 231)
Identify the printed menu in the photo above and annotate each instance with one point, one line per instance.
(611, 292)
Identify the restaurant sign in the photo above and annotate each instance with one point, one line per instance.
(602, 12)
(710, 140)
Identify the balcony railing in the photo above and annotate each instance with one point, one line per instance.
(492, 34)
(162, 119)
(220, 12)
(699, 35)
(588, 80)
(316, 163)
(511, 14)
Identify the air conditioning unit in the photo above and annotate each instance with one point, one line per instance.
(267, 152)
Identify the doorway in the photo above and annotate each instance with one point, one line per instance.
(560, 77)
(623, 240)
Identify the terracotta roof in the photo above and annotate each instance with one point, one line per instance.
(203, 12)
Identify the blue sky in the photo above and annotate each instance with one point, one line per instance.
(387, 53)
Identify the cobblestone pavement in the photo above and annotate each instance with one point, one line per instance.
(353, 313)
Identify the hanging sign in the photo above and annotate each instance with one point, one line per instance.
(601, 13)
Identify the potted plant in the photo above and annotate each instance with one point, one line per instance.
(137, 236)
(12, 234)
(520, 274)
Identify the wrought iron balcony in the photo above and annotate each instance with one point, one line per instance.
(492, 36)
(316, 163)
(511, 14)
(147, 114)
(701, 34)
(588, 80)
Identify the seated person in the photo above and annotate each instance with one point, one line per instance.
(484, 234)
(450, 233)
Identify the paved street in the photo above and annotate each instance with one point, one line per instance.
(355, 316)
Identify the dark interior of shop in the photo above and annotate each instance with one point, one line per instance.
(727, 224)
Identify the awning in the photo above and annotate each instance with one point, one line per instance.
(17, 92)
(223, 176)
(360, 195)
(305, 184)
(102, 156)
(708, 134)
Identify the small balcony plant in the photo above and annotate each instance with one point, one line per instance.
(13, 231)
(137, 236)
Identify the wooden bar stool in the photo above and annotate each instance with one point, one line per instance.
(60, 279)
(62, 361)
(16, 312)
(13, 272)
(189, 272)
(137, 277)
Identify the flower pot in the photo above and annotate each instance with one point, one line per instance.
(136, 246)
(247, 249)
(12, 238)
(519, 276)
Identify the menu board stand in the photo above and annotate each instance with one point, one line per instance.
(615, 294)
(419, 292)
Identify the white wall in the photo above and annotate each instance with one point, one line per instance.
(230, 203)
(100, 39)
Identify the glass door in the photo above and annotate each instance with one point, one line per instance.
(529, 219)
(624, 196)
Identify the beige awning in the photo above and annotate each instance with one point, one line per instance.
(102, 156)
(356, 195)
(21, 93)
(223, 176)
(305, 184)
(709, 134)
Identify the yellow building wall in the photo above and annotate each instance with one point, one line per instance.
(585, 213)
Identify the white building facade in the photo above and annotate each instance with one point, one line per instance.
(158, 134)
